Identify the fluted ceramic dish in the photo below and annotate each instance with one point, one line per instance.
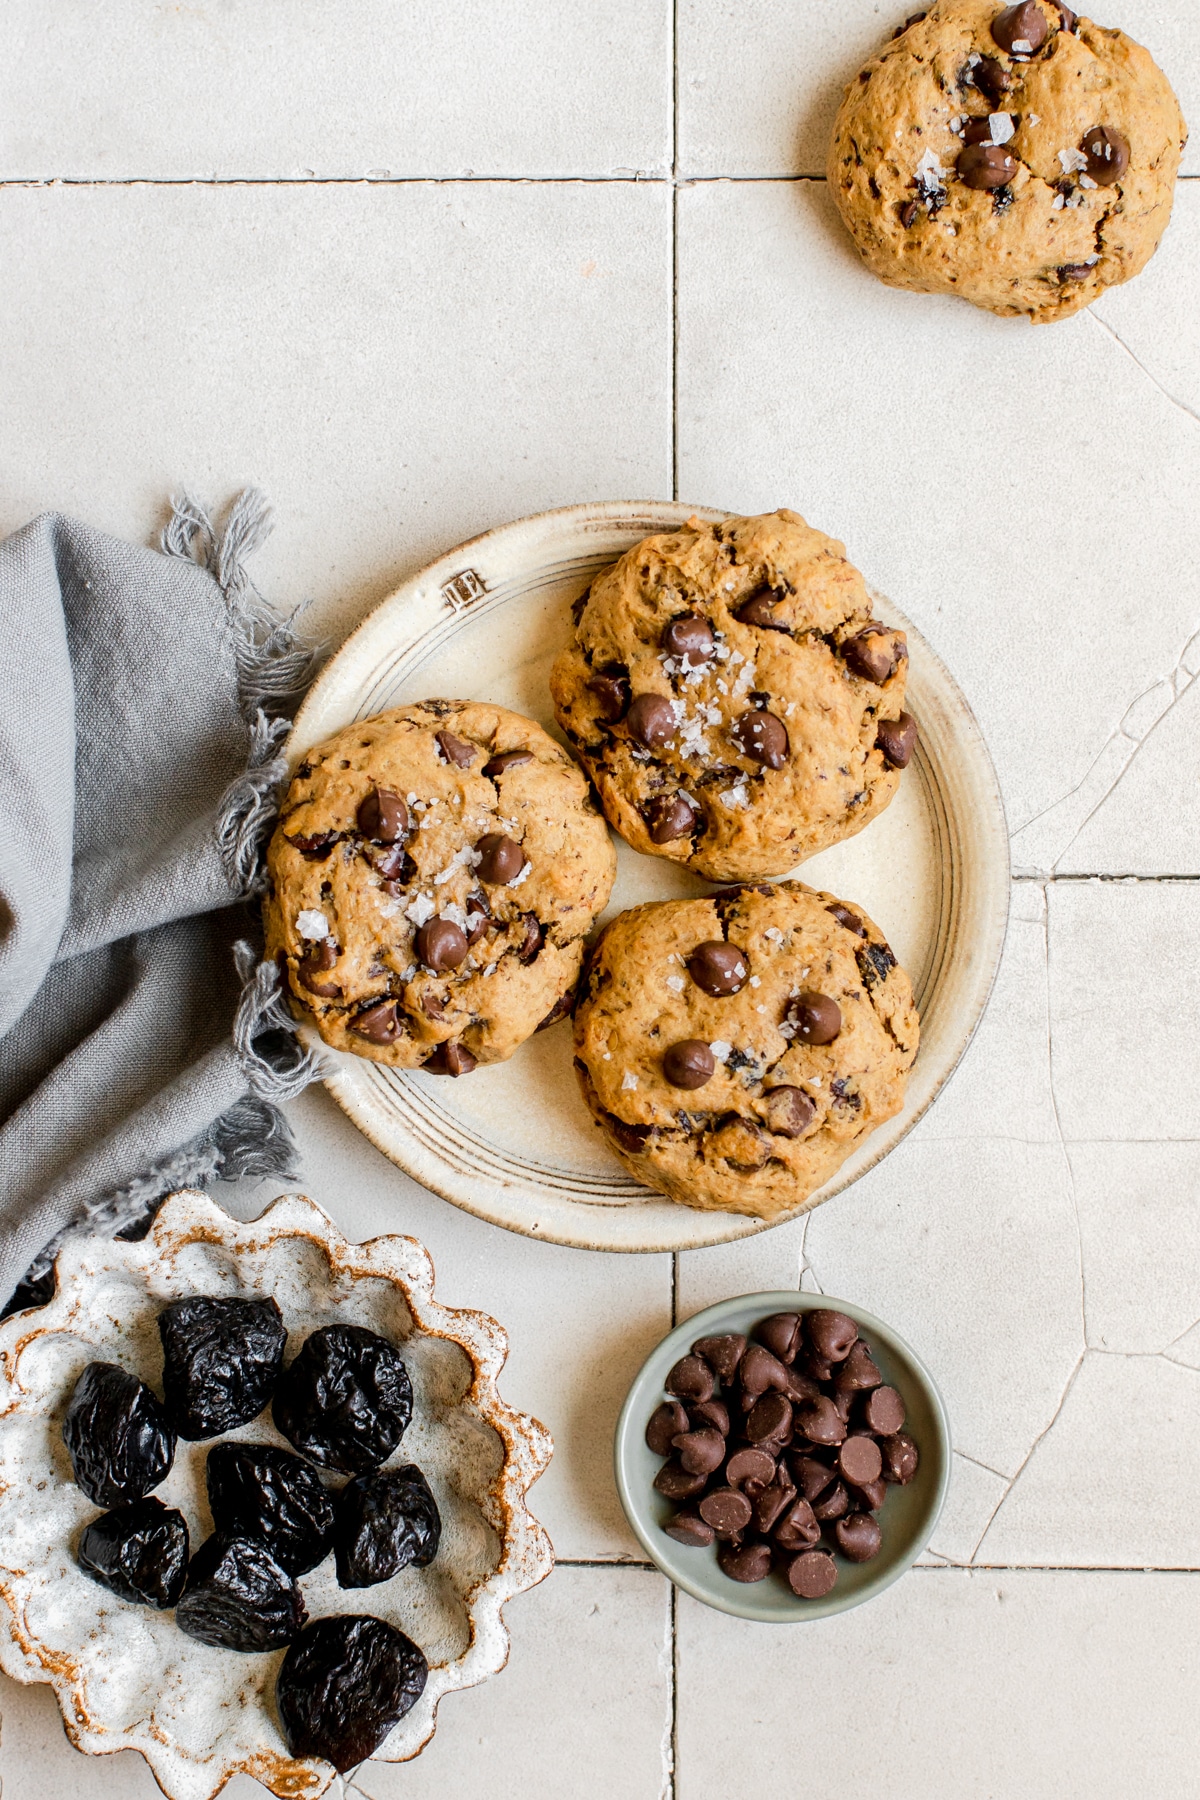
(513, 1142)
(126, 1677)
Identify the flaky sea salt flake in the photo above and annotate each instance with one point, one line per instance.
(312, 924)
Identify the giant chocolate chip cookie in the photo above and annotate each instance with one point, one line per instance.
(432, 877)
(1018, 156)
(735, 1049)
(732, 698)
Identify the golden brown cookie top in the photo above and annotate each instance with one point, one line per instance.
(1018, 156)
(733, 699)
(432, 876)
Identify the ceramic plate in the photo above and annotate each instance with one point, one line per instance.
(513, 1142)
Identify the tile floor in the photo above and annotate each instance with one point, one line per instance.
(418, 269)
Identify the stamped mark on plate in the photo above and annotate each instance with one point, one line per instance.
(463, 588)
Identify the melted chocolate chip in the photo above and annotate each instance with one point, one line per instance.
(875, 964)
(690, 637)
(871, 653)
(501, 859)
(1021, 29)
(478, 918)
(379, 1024)
(668, 817)
(845, 917)
(317, 960)
(897, 738)
(985, 166)
(611, 688)
(651, 720)
(759, 610)
(382, 816)
(992, 79)
(315, 848)
(560, 1010)
(689, 1064)
(532, 940)
(451, 1059)
(630, 1138)
(456, 750)
(817, 1017)
(763, 738)
(790, 1112)
(718, 968)
(393, 862)
(441, 945)
(1074, 271)
(1069, 21)
(507, 759)
(1107, 152)
(908, 213)
(577, 606)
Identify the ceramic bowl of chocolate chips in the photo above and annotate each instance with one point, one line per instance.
(783, 1456)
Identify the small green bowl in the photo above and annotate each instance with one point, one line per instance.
(909, 1513)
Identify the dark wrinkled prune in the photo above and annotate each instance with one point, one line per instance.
(121, 1445)
(257, 1491)
(346, 1399)
(343, 1685)
(139, 1551)
(221, 1360)
(384, 1522)
(239, 1598)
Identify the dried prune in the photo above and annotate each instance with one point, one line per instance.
(343, 1685)
(239, 1598)
(221, 1360)
(139, 1551)
(384, 1522)
(257, 1491)
(121, 1445)
(346, 1400)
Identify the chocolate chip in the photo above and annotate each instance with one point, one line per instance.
(651, 720)
(691, 1379)
(771, 1503)
(316, 847)
(871, 653)
(690, 637)
(859, 1371)
(817, 1018)
(760, 1370)
(883, 1411)
(790, 1112)
(1074, 271)
(833, 1504)
(687, 1527)
(674, 1483)
(859, 1460)
(783, 1332)
(700, 1452)
(578, 605)
(393, 862)
(1068, 20)
(1107, 152)
(441, 945)
(897, 738)
(992, 79)
(799, 1387)
(665, 1424)
(813, 1477)
(819, 1421)
(611, 688)
(871, 1494)
(762, 737)
(478, 917)
(669, 816)
(531, 942)
(722, 1353)
(689, 1064)
(908, 213)
(745, 1562)
(830, 1333)
(507, 759)
(858, 1536)
(811, 1575)
(900, 1458)
(726, 1510)
(770, 1421)
(378, 1024)
(985, 166)
(751, 1465)
(317, 960)
(844, 1403)
(718, 968)
(456, 750)
(451, 1059)
(710, 1412)
(759, 610)
(1021, 29)
(850, 920)
(798, 1528)
(560, 1010)
(382, 816)
(501, 859)
(631, 1138)
(977, 131)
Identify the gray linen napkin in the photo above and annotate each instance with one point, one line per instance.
(142, 1044)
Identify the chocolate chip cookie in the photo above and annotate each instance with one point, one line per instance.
(432, 877)
(735, 1049)
(732, 698)
(1018, 156)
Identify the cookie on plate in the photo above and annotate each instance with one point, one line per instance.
(732, 698)
(432, 877)
(1018, 156)
(736, 1048)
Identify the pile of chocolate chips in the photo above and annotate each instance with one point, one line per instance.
(776, 1442)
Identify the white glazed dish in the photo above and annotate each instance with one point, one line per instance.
(513, 1142)
(125, 1676)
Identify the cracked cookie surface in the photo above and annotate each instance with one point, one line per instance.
(1026, 180)
(732, 698)
(736, 1048)
(432, 877)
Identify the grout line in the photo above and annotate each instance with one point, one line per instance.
(674, 326)
(634, 178)
(601, 1562)
(673, 1779)
(1058, 1568)
(1096, 875)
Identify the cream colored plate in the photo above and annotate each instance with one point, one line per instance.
(514, 1143)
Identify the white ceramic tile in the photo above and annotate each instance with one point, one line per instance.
(573, 1350)
(399, 367)
(582, 1708)
(951, 1242)
(760, 81)
(1124, 994)
(971, 1500)
(755, 1265)
(1114, 1481)
(953, 1685)
(1055, 597)
(268, 88)
(1140, 1228)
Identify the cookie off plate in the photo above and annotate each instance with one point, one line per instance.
(513, 1142)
